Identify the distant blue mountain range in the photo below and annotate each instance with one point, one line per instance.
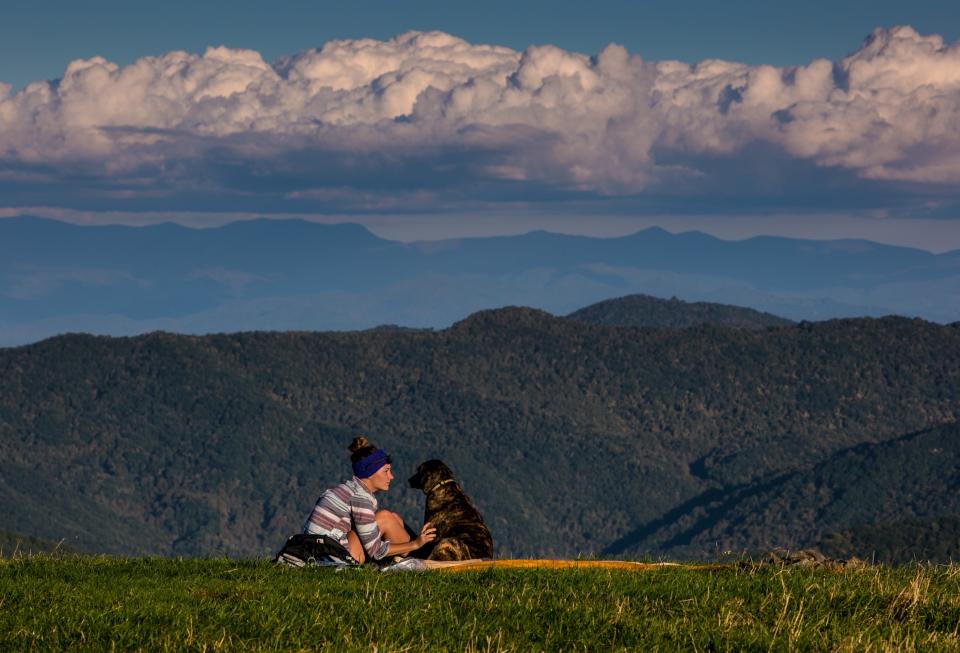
(297, 275)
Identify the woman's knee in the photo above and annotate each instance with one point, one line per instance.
(391, 526)
(388, 516)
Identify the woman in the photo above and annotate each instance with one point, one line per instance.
(348, 512)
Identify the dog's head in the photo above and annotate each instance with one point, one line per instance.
(430, 474)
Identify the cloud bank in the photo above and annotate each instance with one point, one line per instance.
(428, 120)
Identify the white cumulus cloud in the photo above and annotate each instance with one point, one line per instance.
(429, 110)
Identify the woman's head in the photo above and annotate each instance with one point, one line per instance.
(360, 448)
(370, 463)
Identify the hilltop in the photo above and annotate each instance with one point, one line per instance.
(647, 311)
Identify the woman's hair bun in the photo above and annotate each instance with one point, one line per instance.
(359, 443)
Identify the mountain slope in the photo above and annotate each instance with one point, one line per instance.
(915, 476)
(904, 541)
(569, 437)
(12, 544)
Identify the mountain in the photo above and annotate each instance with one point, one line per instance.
(651, 312)
(296, 275)
(859, 491)
(12, 544)
(903, 541)
(571, 438)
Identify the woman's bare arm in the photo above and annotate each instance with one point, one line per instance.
(427, 534)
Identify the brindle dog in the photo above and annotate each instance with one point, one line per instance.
(461, 533)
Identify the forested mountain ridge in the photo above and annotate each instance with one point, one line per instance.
(568, 436)
(917, 475)
(898, 542)
(12, 544)
(653, 312)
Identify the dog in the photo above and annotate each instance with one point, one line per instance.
(461, 533)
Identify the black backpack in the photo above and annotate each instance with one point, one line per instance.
(305, 549)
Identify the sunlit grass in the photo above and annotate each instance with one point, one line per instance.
(98, 603)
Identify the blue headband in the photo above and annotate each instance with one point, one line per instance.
(369, 465)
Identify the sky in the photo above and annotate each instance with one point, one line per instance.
(428, 120)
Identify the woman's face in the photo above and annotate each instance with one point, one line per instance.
(379, 481)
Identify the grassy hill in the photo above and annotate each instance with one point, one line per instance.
(647, 311)
(109, 604)
(569, 437)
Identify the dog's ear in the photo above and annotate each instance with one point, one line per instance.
(416, 481)
(435, 471)
(440, 469)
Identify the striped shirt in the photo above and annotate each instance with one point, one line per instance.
(348, 506)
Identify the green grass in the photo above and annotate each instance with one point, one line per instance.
(100, 603)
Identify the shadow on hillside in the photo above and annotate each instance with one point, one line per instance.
(715, 502)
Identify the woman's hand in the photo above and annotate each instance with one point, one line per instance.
(427, 534)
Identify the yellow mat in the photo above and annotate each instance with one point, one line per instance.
(467, 565)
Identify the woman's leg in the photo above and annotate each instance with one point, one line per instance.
(392, 527)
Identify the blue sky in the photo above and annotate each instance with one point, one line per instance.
(38, 39)
(438, 135)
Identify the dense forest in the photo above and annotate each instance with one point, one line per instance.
(869, 485)
(653, 312)
(898, 542)
(572, 438)
(13, 545)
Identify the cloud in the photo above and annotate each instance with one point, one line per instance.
(428, 118)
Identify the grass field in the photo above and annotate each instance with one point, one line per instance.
(98, 603)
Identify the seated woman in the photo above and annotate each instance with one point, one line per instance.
(348, 512)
